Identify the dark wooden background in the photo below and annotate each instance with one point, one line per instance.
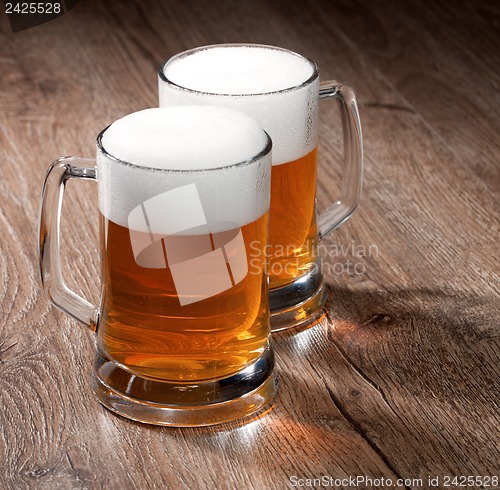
(401, 379)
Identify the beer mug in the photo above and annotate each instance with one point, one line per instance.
(182, 328)
(280, 89)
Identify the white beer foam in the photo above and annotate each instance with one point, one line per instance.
(244, 67)
(186, 154)
(264, 82)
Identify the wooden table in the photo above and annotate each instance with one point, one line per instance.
(400, 381)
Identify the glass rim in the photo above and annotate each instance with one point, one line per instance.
(189, 52)
(254, 159)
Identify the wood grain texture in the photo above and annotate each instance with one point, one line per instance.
(401, 379)
(442, 58)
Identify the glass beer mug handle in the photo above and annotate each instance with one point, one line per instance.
(59, 294)
(344, 206)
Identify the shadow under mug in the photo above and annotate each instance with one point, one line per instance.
(182, 329)
(251, 78)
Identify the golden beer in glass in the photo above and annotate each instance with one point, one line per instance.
(281, 90)
(165, 340)
(183, 332)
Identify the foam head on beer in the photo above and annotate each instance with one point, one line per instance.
(265, 82)
(184, 138)
(245, 70)
(184, 153)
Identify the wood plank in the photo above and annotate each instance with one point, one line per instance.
(442, 58)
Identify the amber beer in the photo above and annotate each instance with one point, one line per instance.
(293, 220)
(144, 327)
(182, 325)
(171, 309)
(280, 90)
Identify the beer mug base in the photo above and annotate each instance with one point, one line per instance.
(299, 304)
(180, 404)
